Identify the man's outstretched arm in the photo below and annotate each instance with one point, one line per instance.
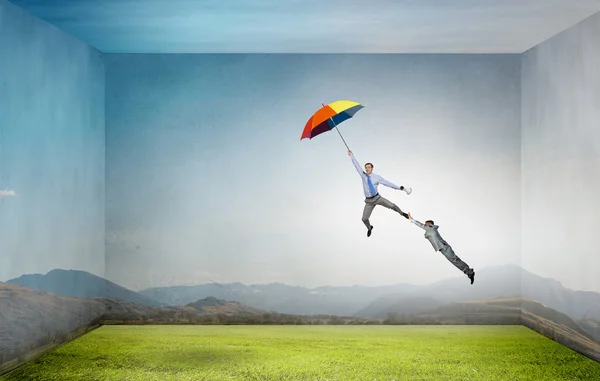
(383, 181)
(394, 186)
(356, 165)
(422, 226)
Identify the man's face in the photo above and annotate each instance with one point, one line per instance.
(368, 169)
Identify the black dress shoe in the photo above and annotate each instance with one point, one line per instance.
(369, 231)
(472, 277)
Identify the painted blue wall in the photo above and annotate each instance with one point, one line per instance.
(51, 164)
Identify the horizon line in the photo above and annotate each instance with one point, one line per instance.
(279, 283)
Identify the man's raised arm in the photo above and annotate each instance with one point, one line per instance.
(356, 165)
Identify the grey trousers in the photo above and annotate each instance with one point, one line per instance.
(455, 260)
(371, 203)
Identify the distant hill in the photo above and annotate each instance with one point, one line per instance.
(132, 310)
(120, 310)
(216, 306)
(398, 304)
(467, 312)
(30, 319)
(576, 304)
(494, 282)
(80, 284)
(530, 307)
(486, 311)
(592, 327)
(341, 301)
(211, 311)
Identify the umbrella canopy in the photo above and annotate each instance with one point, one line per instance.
(328, 117)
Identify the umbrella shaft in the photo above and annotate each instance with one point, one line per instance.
(341, 136)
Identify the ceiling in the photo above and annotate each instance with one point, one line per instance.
(310, 26)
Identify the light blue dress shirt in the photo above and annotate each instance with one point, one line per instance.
(375, 180)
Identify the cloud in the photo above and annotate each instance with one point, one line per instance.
(7, 193)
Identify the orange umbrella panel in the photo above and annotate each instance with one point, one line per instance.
(328, 117)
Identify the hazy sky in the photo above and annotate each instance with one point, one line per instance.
(207, 178)
(51, 149)
(561, 157)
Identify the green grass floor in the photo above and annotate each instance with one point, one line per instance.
(321, 353)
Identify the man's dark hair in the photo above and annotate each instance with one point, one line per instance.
(430, 221)
(371, 164)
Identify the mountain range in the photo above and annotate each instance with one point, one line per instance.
(369, 302)
(492, 282)
(80, 284)
(359, 301)
(342, 301)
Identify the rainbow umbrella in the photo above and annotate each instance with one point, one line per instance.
(328, 117)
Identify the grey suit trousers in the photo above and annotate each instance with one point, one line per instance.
(371, 203)
(455, 260)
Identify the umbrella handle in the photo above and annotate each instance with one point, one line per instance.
(338, 131)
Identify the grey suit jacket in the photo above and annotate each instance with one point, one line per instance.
(432, 235)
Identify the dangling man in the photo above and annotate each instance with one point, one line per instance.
(370, 182)
(439, 244)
